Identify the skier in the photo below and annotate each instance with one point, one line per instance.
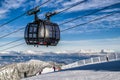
(107, 58)
(54, 68)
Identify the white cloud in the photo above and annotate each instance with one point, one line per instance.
(71, 2)
(9, 29)
(37, 1)
(89, 4)
(93, 41)
(111, 10)
(111, 43)
(7, 5)
(12, 4)
(3, 13)
(103, 24)
(92, 4)
(94, 44)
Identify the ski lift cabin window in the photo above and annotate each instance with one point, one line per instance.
(42, 32)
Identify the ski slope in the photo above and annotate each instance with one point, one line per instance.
(100, 71)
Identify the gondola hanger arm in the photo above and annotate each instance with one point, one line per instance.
(48, 15)
(34, 12)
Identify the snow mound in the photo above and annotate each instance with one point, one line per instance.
(22, 70)
(47, 70)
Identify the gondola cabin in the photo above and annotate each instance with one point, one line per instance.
(42, 32)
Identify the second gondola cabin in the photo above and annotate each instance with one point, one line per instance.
(42, 32)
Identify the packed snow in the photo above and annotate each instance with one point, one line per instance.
(101, 71)
(78, 75)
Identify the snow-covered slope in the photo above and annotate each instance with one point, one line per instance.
(25, 69)
(101, 71)
(79, 75)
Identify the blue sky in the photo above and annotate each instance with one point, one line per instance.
(102, 34)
